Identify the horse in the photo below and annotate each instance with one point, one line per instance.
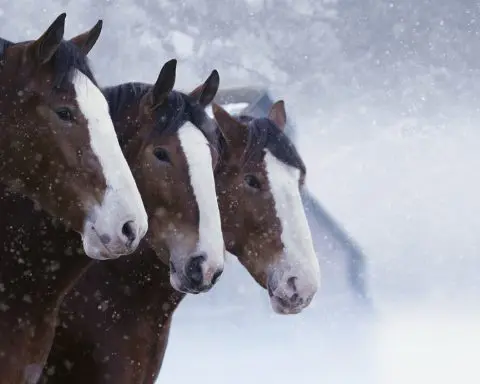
(168, 155)
(58, 145)
(114, 325)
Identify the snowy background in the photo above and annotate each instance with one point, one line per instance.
(385, 98)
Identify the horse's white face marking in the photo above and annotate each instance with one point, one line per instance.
(210, 240)
(122, 202)
(294, 279)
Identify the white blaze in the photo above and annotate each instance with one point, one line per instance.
(199, 161)
(299, 256)
(122, 201)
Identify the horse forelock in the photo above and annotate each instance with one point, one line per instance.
(169, 118)
(264, 135)
(67, 59)
(4, 44)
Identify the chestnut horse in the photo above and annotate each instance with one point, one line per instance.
(58, 145)
(50, 259)
(114, 325)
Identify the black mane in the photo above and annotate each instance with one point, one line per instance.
(170, 116)
(263, 134)
(66, 60)
(4, 44)
(123, 96)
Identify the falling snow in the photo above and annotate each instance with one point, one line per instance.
(384, 97)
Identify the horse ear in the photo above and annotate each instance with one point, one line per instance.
(43, 49)
(232, 130)
(87, 40)
(278, 115)
(164, 84)
(206, 92)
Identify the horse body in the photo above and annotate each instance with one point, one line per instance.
(55, 171)
(120, 335)
(36, 271)
(128, 344)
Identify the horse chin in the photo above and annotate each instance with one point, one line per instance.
(94, 248)
(190, 269)
(180, 284)
(281, 308)
(289, 293)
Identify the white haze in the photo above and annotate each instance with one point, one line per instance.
(385, 99)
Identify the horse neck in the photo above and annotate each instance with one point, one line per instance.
(8, 124)
(126, 128)
(54, 254)
(145, 275)
(233, 243)
(125, 103)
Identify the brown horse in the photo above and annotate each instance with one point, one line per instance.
(172, 162)
(47, 259)
(115, 324)
(58, 145)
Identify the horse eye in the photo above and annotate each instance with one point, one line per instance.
(252, 181)
(162, 155)
(64, 114)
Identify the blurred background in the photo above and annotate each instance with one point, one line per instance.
(384, 100)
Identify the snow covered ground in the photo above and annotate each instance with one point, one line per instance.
(385, 96)
(404, 346)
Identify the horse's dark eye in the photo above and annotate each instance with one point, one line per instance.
(252, 181)
(162, 155)
(64, 114)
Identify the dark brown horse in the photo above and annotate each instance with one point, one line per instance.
(172, 161)
(47, 259)
(115, 324)
(58, 145)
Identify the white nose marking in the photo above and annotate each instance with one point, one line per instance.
(199, 160)
(122, 200)
(299, 252)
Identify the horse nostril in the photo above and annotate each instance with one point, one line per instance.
(216, 276)
(105, 239)
(291, 282)
(194, 270)
(128, 230)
